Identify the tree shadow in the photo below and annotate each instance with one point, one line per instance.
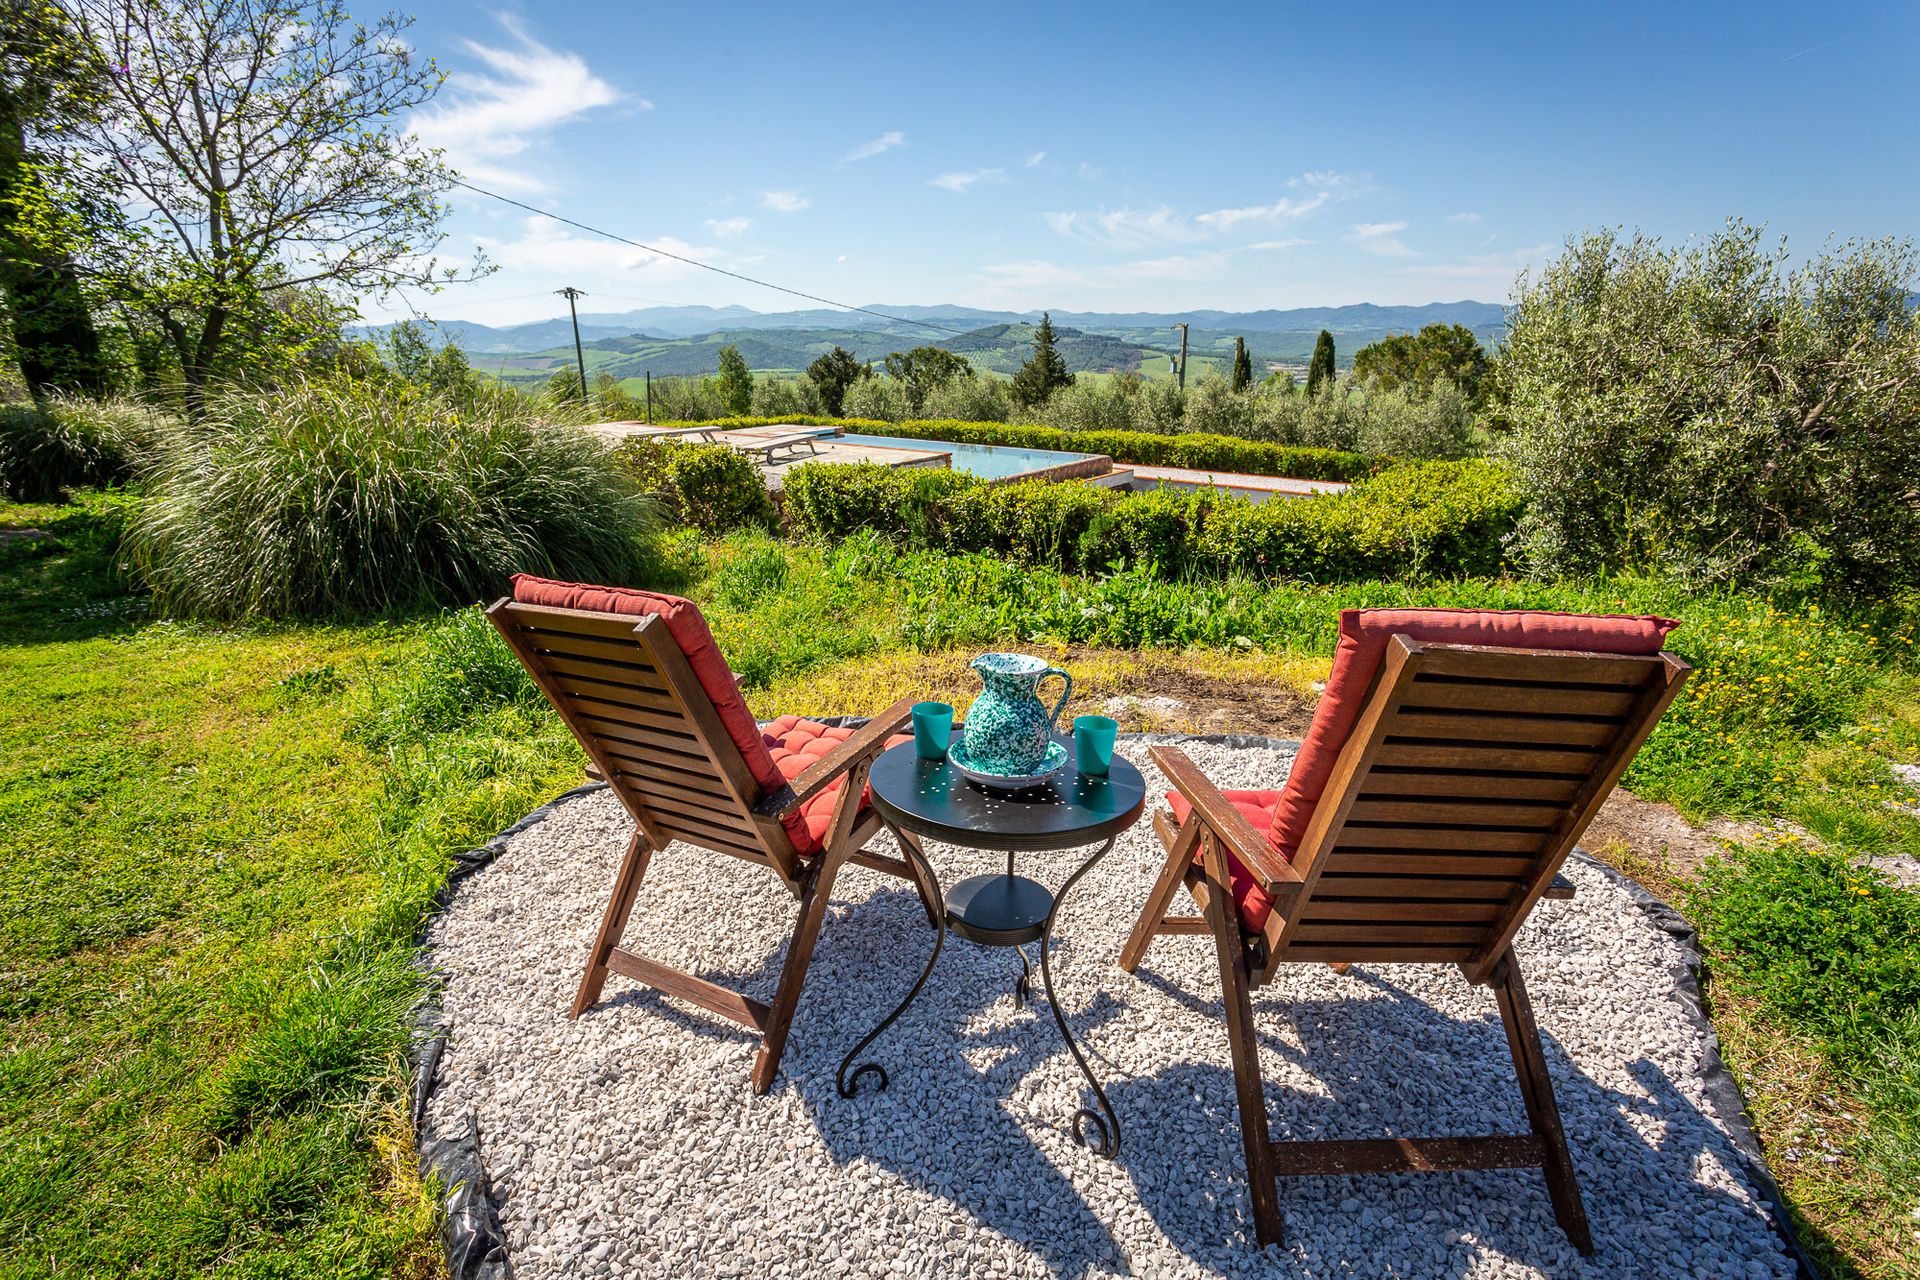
(1434, 1075)
(60, 576)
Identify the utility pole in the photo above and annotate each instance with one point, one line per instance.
(1183, 355)
(570, 293)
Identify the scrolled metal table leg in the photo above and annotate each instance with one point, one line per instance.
(1104, 1119)
(1023, 984)
(849, 1085)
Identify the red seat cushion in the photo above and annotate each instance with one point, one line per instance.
(1357, 658)
(1255, 903)
(795, 744)
(788, 746)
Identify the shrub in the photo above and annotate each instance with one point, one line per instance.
(1433, 518)
(709, 486)
(463, 670)
(1191, 449)
(72, 443)
(1421, 519)
(886, 399)
(1829, 947)
(1706, 413)
(322, 499)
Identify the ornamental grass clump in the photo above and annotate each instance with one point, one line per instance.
(342, 499)
(72, 442)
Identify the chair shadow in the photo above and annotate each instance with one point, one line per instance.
(1386, 1087)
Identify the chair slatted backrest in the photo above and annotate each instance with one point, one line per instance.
(623, 686)
(1467, 779)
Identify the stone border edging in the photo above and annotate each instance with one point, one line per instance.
(470, 1231)
(475, 1244)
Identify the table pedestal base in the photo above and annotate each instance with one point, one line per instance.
(998, 910)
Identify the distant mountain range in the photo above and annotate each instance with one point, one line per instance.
(678, 341)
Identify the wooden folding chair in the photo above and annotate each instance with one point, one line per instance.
(1431, 806)
(638, 679)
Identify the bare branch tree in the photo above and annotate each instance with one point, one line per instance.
(252, 147)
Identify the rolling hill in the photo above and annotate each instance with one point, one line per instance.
(682, 341)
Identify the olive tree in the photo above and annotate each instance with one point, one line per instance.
(248, 148)
(1710, 412)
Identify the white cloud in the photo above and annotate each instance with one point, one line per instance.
(1483, 273)
(1037, 276)
(1463, 217)
(960, 181)
(784, 201)
(1125, 227)
(1285, 209)
(1129, 227)
(728, 228)
(485, 120)
(884, 143)
(1289, 243)
(1381, 239)
(546, 249)
(1033, 159)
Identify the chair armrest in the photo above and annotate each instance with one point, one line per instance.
(865, 742)
(1227, 823)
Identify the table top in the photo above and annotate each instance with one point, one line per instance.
(931, 798)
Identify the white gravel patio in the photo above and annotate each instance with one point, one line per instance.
(629, 1144)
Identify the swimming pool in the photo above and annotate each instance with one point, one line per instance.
(989, 461)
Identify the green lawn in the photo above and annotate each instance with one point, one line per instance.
(210, 893)
(217, 846)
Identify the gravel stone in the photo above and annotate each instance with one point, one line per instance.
(628, 1143)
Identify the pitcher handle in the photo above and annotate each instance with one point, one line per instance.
(1053, 717)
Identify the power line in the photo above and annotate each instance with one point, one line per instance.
(704, 266)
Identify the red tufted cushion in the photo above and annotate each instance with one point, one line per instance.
(1364, 634)
(1255, 903)
(774, 757)
(689, 630)
(795, 744)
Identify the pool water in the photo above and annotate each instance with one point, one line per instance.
(989, 461)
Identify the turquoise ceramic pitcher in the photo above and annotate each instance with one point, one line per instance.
(1008, 729)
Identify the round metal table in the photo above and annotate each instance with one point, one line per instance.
(916, 797)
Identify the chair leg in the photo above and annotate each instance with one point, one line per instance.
(1243, 1047)
(1173, 874)
(626, 886)
(1536, 1087)
(793, 975)
(920, 885)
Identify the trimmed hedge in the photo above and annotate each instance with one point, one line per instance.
(1421, 519)
(709, 486)
(1193, 449)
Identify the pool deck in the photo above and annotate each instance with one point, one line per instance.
(774, 473)
(1098, 470)
(1259, 488)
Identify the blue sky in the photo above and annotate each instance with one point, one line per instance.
(1145, 157)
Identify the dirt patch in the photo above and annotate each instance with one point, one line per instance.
(1653, 844)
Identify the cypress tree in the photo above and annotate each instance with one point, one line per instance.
(1242, 365)
(1045, 370)
(1320, 371)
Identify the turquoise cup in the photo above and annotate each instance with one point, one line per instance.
(932, 729)
(1093, 739)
